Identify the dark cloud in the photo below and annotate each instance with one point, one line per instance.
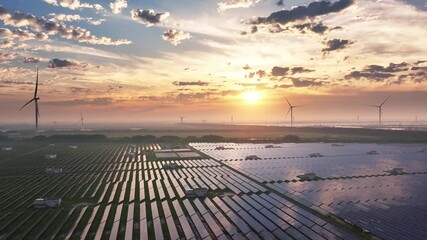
(148, 17)
(300, 70)
(57, 63)
(279, 71)
(311, 10)
(392, 67)
(297, 82)
(253, 30)
(283, 71)
(280, 3)
(315, 27)
(416, 68)
(198, 83)
(380, 73)
(336, 44)
(303, 27)
(31, 60)
(377, 76)
(45, 27)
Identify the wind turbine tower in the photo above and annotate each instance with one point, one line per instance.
(291, 110)
(182, 120)
(35, 99)
(380, 110)
(81, 119)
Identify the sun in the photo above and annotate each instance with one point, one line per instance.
(251, 97)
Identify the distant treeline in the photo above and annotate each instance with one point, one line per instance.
(154, 139)
(72, 138)
(206, 138)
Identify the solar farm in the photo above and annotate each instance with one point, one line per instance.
(140, 191)
(355, 182)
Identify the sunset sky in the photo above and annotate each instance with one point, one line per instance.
(147, 61)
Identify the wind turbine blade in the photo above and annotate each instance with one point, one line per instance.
(288, 102)
(373, 106)
(26, 104)
(287, 113)
(298, 106)
(385, 101)
(37, 83)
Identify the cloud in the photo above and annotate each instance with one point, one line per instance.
(174, 36)
(43, 26)
(31, 60)
(311, 10)
(298, 82)
(58, 63)
(118, 6)
(279, 71)
(315, 27)
(7, 56)
(280, 3)
(253, 30)
(260, 73)
(73, 4)
(6, 44)
(283, 71)
(74, 17)
(336, 44)
(198, 83)
(14, 82)
(377, 76)
(23, 35)
(222, 6)
(379, 73)
(191, 96)
(80, 102)
(148, 17)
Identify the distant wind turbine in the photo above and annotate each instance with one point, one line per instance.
(35, 99)
(291, 110)
(182, 119)
(380, 110)
(81, 119)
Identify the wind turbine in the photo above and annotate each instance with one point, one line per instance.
(182, 119)
(81, 119)
(380, 110)
(35, 99)
(291, 110)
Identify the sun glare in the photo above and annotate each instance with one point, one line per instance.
(251, 97)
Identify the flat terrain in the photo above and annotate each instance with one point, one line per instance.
(244, 133)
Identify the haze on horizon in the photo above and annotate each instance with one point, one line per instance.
(127, 61)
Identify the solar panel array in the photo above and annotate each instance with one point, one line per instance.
(108, 193)
(354, 182)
